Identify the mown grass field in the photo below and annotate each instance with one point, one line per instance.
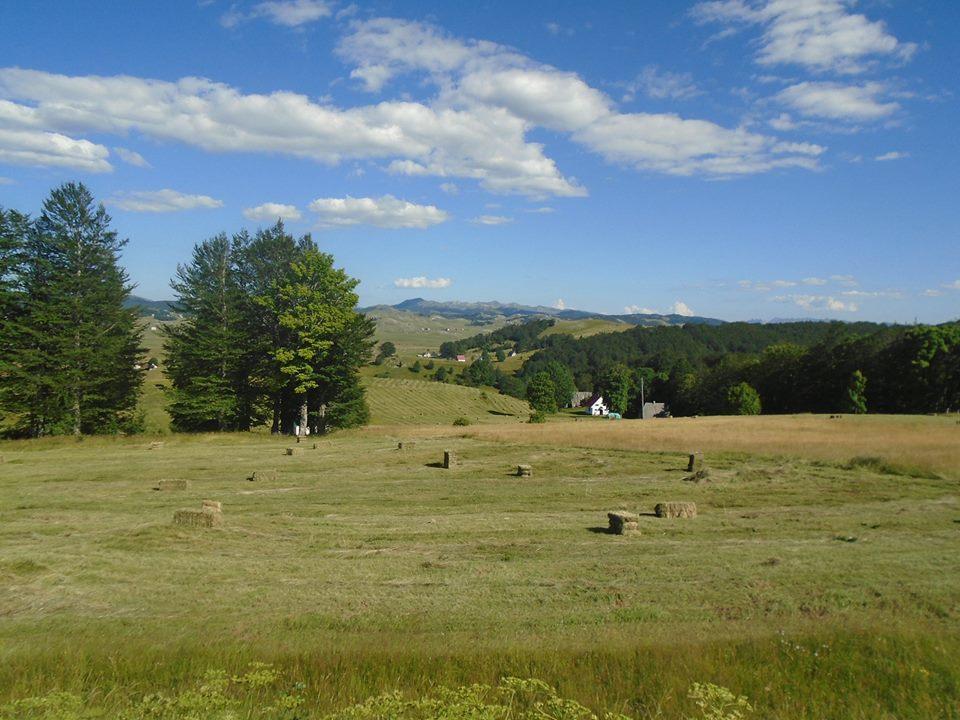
(418, 402)
(816, 587)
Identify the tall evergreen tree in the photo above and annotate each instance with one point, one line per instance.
(71, 369)
(206, 352)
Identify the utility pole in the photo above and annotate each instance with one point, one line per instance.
(642, 400)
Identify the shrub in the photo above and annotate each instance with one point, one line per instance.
(537, 417)
(462, 421)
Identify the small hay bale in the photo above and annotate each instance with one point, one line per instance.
(292, 451)
(450, 459)
(702, 475)
(675, 510)
(171, 485)
(524, 471)
(156, 445)
(256, 475)
(197, 518)
(407, 445)
(623, 522)
(695, 462)
(212, 506)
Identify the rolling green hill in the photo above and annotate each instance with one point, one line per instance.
(415, 402)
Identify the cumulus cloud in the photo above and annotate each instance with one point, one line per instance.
(423, 282)
(289, 13)
(821, 35)
(491, 220)
(270, 212)
(486, 144)
(131, 157)
(560, 304)
(892, 155)
(160, 201)
(836, 101)
(681, 308)
(51, 149)
(638, 310)
(818, 302)
(450, 188)
(382, 212)
(479, 75)
(661, 85)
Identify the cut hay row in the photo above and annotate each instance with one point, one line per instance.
(419, 402)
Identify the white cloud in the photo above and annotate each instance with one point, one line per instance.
(477, 75)
(50, 149)
(289, 13)
(818, 302)
(560, 304)
(892, 155)
(835, 101)
(557, 29)
(893, 294)
(162, 201)
(270, 212)
(638, 310)
(6, 181)
(955, 285)
(131, 157)
(382, 212)
(930, 292)
(544, 210)
(450, 188)
(814, 281)
(820, 35)
(681, 308)
(845, 280)
(661, 85)
(423, 282)
(491, 220)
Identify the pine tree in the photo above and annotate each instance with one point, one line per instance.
(206, 352)
(72, 367)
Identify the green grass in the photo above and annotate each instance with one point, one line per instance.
(585, 328)
(420, 402)
(363, 568)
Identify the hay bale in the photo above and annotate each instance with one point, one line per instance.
(406, 445)
(292, 451)
(212, 506)
(702, 475)
(270, 475)
(156, 445)
(450, 459)
(524, 471)
(695, 462)
(171, 485)
(197, 518)
(623, 522)
(675, 510)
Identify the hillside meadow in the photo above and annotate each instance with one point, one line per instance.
(817, 585)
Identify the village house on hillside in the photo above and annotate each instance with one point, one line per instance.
(461, 358)
(596, 406)
(579, 398)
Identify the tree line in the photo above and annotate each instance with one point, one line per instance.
(270, 332)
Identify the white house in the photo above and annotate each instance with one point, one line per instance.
(595, 406)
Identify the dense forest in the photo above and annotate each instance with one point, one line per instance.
(745, 367)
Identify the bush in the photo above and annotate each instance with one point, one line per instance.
(537, 417)
(743, 399)
(462, 421)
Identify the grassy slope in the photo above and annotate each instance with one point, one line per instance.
(404, 402)
(816, 590)
(585, 328)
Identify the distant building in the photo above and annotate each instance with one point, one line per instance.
(461, 358)
(579, 398)
(595, 406)
(653, 410)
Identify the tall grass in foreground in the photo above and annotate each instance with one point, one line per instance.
(830, 675)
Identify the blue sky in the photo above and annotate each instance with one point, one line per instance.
(733, 158)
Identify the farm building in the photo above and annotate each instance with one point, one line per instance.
(579, 398)
(595, 406)
(653, 410)
(461, 358)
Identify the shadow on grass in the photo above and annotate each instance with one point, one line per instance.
(501, 413)
(601, 530)
(435, 464)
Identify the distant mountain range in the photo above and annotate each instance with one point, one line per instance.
(159, 309)
(482, 312)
